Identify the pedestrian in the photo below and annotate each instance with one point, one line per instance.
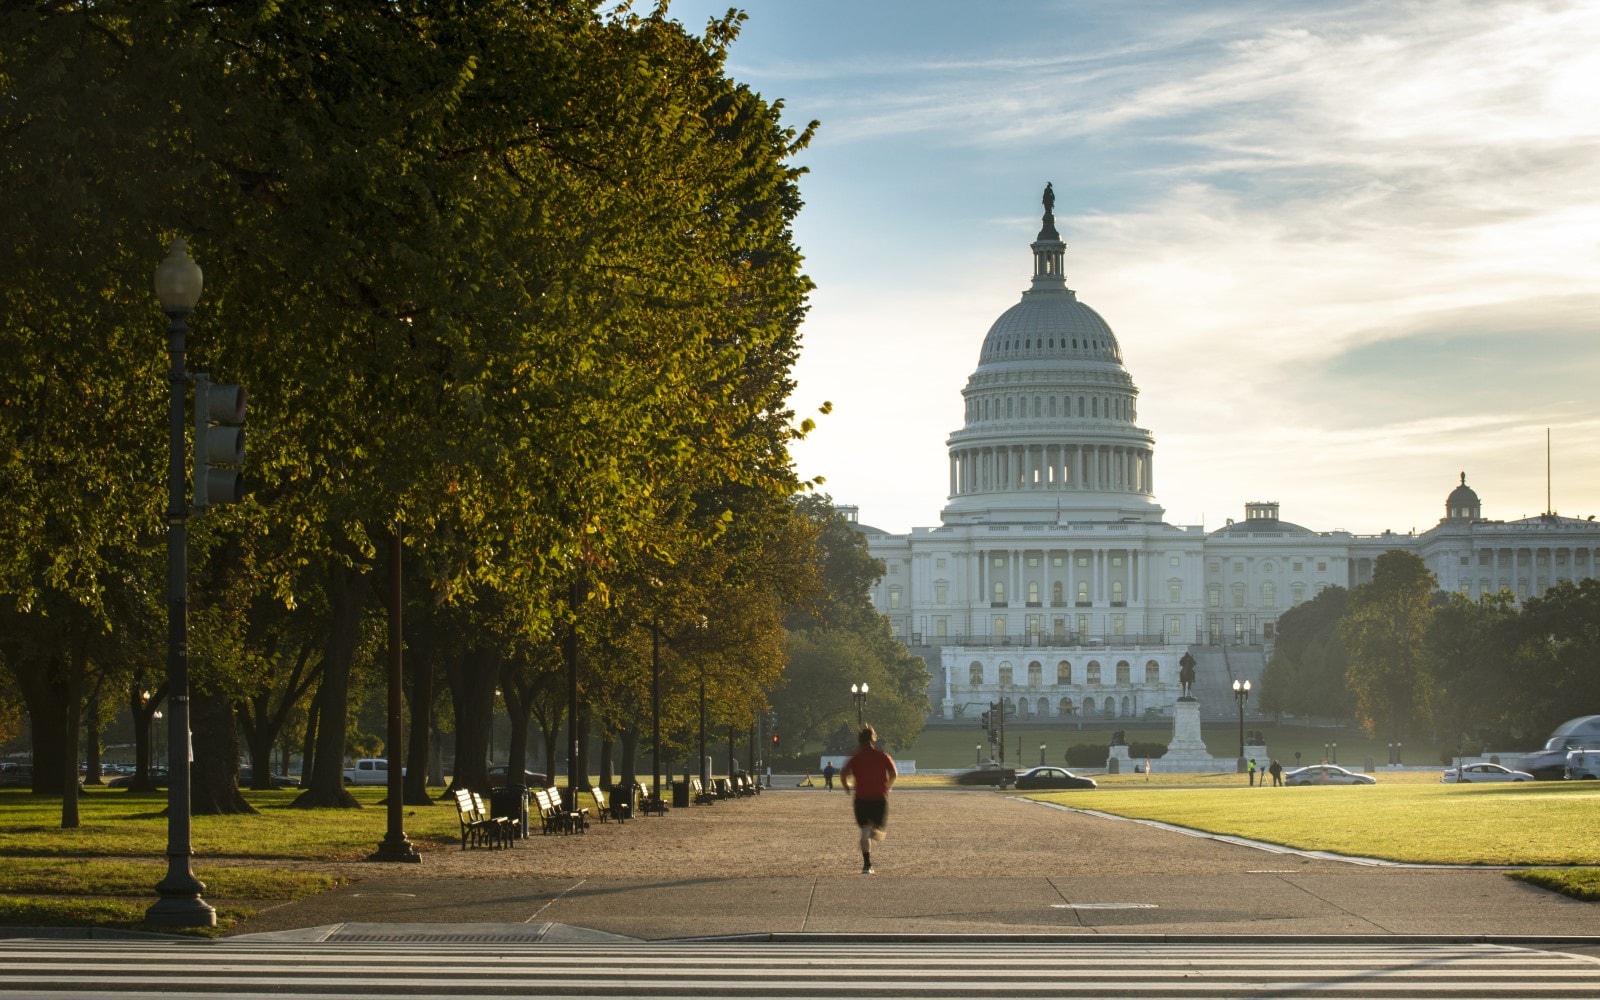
(827, 775)
(1252, 770)
(1276, 770)
(874, 773)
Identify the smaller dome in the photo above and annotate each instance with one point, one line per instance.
(1462, 504)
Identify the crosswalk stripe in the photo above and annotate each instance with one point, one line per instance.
(95, 970)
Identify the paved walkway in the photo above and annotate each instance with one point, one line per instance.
(959, 862)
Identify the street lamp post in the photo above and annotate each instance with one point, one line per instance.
(978, 754)
(156, 727)
(178, 283)
(1241, 694)
(1041, 755)
(859, 693)
(1335, 747)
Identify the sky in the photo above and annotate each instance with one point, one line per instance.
(1349, 250)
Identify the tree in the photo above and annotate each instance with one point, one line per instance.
(1306, 674)
(1385, 633)
(1471, 651)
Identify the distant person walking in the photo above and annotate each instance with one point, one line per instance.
(1252, 770)
(827, 775)
(1276, 770)
(874, 773)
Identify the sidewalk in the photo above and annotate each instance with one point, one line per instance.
(962, 862)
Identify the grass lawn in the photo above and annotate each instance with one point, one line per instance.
(103, 873)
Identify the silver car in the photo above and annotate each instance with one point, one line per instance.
(1468, 774)
(1326, 774)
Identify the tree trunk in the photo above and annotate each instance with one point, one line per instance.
(347, 597)
(91, 738)
(308, 743)
(213, 784)
(419, 745)
(472, 685)
(629, 740)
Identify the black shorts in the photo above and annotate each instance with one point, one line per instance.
(873, 813)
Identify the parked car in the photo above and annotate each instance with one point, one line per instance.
(369, 771)
(16, 775)
(158, 777)
(1583, 764)
(1052, 777)
(988, 774)
(1550, 764)
(1468, 774)
(1326, 774)
(530, 779)
(247, 774)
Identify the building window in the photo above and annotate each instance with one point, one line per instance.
(1033, 561)
(1124, 672)
(894, 569)
(1005, 673)
(1056, 593)
(1033, 593)
(1174, 626)
(975, 674)
(1322, 567)
(1035, 674)
(1116, 624)
(1116, 560)
(1033, 626)
(894, 598)
(1092, 672)
(999, 592)
(1083, 624)
(1238, 595)
(939, 562)
(1116, 592)
(1175, 562)
(1297, 593)
(1269, 594)
(941, 593)
(1174, 591)
(1063, 672)
(1298, 567)
(1152, 672)
(941, 626)
(1056, 560)
(999, 627)
(1083, 562)
(1083, 592)
(1214, 596)
(999, 562)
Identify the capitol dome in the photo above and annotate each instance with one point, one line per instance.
(1462, 504)
(1050, 430)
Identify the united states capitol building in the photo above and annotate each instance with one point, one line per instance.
(1053, 582)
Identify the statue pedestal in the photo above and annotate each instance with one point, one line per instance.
(1186, 746)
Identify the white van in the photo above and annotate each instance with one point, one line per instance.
(1583, 764)
(369, 771)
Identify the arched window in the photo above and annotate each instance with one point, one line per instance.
(1127, 706)
(1269, 594)
(1056, 593)
(1011, 407)
(1297, 593)
(999, 592)
(1035, 673)
(1088, 706)
(1124, 672)
(1111, 708)
(1083, 592)
(1116, 591)
(1067, 707)
(1152, 672)
(1063, 672)
(1092, 672)
(1033, 592)
(975, 674)
(1005, 673)
(1043, 707)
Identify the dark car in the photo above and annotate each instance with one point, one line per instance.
(530, 779)
(158, 777)
(16, 775)
(988, 774)
(247, 774)
(1052, 777)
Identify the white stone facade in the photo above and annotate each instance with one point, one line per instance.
(1053, 582)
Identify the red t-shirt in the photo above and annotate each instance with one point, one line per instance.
(872, 770)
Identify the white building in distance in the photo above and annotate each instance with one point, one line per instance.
(1054, 583)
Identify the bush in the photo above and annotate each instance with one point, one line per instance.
(1095, 754)
(1140, 751)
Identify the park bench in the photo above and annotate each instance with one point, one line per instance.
(651, 803)
(477, 828)
(744, 785)
(554, 814)
(504, 828)
(601, 809)
(699, 794)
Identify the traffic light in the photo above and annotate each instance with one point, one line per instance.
(985, 722)
(774, 741)
(218, 442)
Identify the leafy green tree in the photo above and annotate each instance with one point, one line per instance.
(1385, 634)
(1306, 674)
(1471, 649)
(1554, 645)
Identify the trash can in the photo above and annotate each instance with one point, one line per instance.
(512, 801)
(680, 795)
(622, 800)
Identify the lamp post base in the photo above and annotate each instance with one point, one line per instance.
(393, 848)
(181, 911)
